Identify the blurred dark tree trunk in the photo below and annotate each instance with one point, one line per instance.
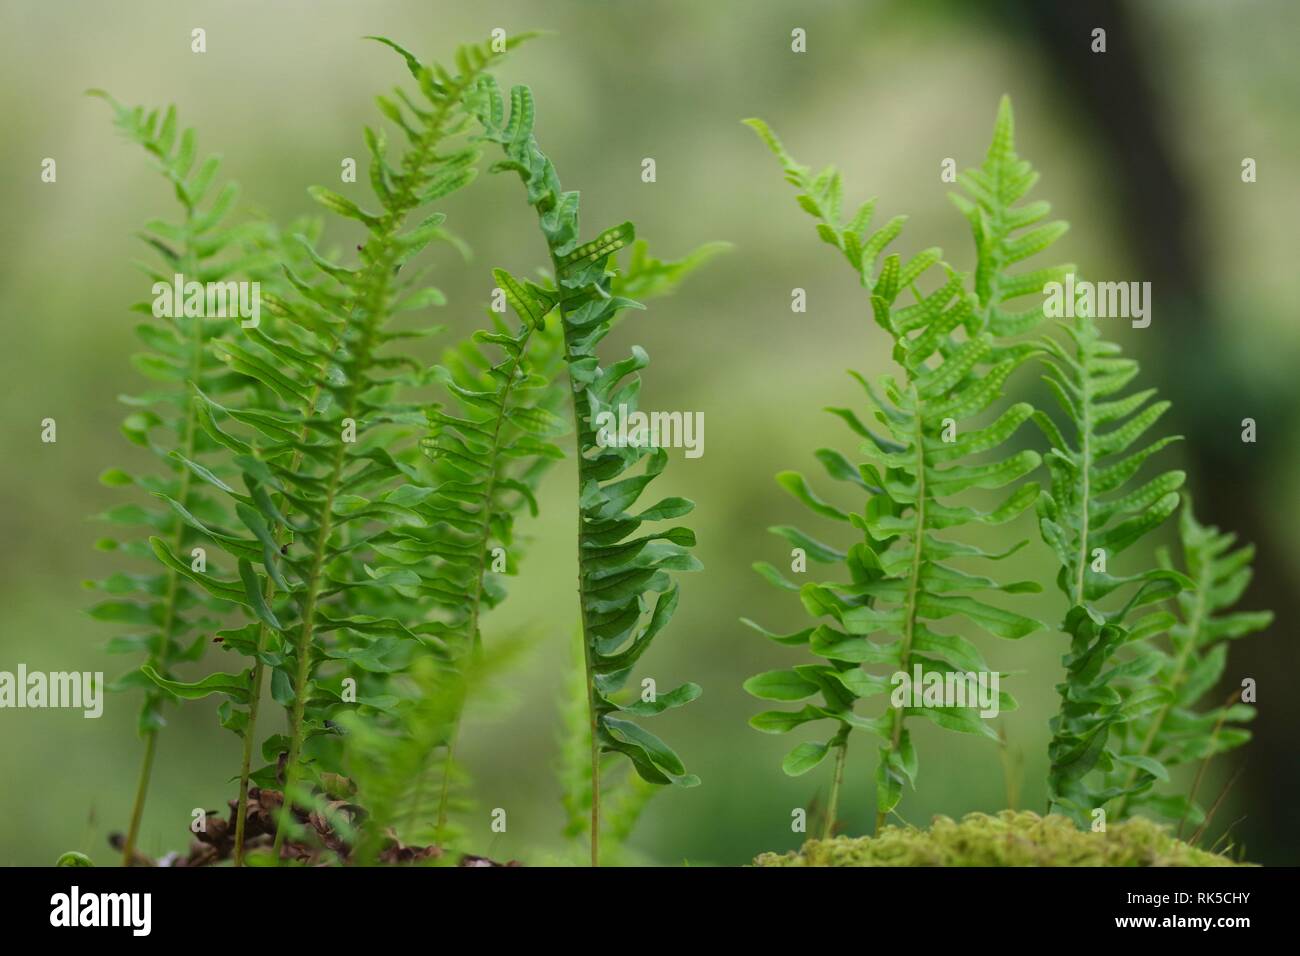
(1123, 118)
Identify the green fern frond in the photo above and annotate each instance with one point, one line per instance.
(1090, 517)
(619, 575)
(494, 446)
(900, 583)
(361, 386)
(170, 608)
(489, 447)
(489, 450)
(1181, 731)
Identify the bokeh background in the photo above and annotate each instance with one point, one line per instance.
(1140, 148)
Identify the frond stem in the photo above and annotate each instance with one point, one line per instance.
(163, 651)
(914, 576)
(841, 745)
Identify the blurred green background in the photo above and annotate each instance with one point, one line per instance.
(1140, 148)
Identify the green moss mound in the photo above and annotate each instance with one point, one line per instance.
(1009, 839)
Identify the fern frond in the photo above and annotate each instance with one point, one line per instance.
(493, 447)
(169, 607)
(490, 447)
(900, 582)
(1180, 731)
(1091, 516)
(619, 575)
(489, 450)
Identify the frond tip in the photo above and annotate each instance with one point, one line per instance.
(990, 199)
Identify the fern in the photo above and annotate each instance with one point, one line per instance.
(166, 604)
(900, 581)
(490, 450)
(618, 575)
(371, 295)
(643, 275)
(1180, 732)
(1117, 692)
(318, 501)
(361, 562)
(1089, 518)
(1084, 511)
(494, 448)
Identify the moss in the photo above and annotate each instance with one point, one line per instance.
(1011, 838)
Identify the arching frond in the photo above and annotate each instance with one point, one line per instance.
(626, 587)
